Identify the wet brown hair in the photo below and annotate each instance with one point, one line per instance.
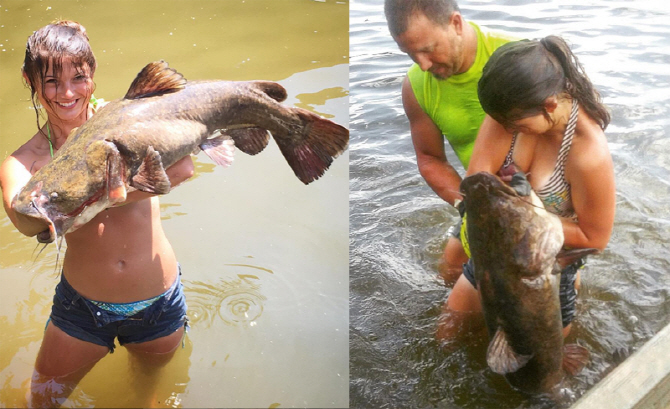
(48, 47)
(398, 12)
(521, 75)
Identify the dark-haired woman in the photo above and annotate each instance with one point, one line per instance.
(544, 118)
(120, 275)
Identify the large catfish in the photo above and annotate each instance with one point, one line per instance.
(130, 142)
(516, 250)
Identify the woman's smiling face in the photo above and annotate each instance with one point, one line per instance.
(66, 95)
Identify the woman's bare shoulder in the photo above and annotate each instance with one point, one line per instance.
(589, 151)
(32, 153)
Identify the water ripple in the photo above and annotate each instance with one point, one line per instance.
(237, 301)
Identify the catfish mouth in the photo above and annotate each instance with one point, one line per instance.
(58, 223)
(31, 213)
(49, 234)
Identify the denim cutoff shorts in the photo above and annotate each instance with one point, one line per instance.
(80, 318)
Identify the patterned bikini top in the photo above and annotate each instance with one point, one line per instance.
(555, 194)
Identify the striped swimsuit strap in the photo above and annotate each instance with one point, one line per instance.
(557, 183)
(508, 158)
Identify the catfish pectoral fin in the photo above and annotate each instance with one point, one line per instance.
(151, 176)
(500, 356)
(105, 161)
(220, 149)
(575, 357)
(250, 140)
(116, 187)
(311, 153)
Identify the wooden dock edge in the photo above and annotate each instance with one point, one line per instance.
(642, 381)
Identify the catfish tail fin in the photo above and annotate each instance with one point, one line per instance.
(311, 152)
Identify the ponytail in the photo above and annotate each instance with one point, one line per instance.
(521, 75)
(578, 85)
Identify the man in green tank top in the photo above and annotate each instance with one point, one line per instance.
(439, 93)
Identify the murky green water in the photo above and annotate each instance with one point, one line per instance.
(265, 258)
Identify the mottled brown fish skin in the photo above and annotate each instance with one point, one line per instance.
(162, 119)
(514, 245)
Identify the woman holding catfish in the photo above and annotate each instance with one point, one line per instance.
(120, 275)
(545, 119)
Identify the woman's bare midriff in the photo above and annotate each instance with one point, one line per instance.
(122, 255)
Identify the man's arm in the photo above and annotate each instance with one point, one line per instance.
(429, 146)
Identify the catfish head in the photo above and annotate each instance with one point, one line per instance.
(75, 186)
(483, 192)
(500, 223)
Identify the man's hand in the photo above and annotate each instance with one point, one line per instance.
(460, 206)
(520, 184)
(516, 179)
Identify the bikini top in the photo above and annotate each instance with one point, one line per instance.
(555, 194)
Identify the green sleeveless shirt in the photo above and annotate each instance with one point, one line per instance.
(453, 103)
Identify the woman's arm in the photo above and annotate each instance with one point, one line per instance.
(14, 174)
(590, 172)
(491, 146)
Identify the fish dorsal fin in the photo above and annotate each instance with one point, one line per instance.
(500, 356)
(155, 79)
